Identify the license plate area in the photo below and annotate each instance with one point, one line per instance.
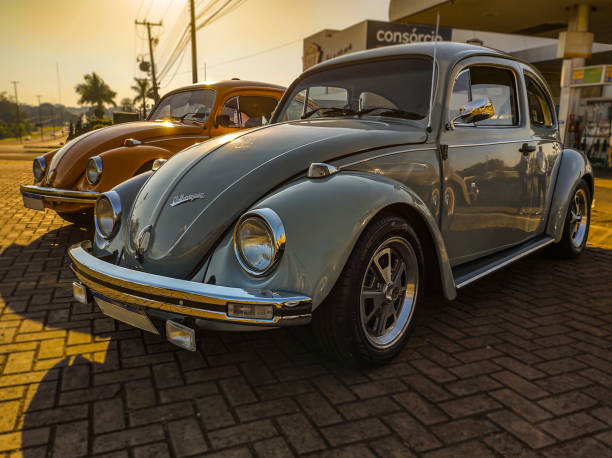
(33, 201)
(125, 314)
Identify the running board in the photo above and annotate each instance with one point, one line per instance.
(472, 271)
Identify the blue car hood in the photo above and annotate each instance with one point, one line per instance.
(200, 192)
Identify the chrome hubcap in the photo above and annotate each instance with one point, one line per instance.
(579, 217)
(388, 292)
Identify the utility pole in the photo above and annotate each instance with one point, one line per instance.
(194, 58)
(153, 75)
(14, 83)
(40, 119)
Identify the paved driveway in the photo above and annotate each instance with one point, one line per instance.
(519, 365)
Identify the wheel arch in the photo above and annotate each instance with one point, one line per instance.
(323, 220)
(433, 264)
(574, 167)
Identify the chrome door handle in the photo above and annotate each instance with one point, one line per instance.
(527, 148)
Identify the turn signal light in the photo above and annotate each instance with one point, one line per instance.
(262, 312)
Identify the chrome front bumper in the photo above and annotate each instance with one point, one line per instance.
(186, 298)
(60, 195)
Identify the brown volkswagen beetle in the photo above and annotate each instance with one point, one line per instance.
(70, 179)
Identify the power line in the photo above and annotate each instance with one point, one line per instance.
(153, 76)
(140, 7)
(248, 56)
(220, 12)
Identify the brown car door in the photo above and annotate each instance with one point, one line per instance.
(243, 111)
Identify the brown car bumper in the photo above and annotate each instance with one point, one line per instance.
(36, 197)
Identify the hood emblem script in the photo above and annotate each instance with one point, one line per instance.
(182, 198)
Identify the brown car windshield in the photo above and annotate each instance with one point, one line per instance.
(398, 88)
(193, 105)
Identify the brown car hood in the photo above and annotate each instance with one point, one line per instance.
(68, 164)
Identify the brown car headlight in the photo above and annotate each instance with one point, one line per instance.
(39, 167)
(259, 240)
(94, 169)
(108, 214)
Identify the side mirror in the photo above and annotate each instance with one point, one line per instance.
(474, 111)
(222, 120)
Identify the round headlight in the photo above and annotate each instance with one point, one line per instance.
(259, 240)
(108, 214)
(94, 169)
(39, 167)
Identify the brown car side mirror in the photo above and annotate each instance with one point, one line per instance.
(222, 120)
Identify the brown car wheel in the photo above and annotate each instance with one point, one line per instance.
(577, 222)
(370, 313)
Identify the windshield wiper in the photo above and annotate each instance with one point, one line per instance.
(330, 111)
(195, 113)
(391, 112)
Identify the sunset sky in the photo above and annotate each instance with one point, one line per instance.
(91, 35)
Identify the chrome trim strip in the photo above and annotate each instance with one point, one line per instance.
(61, 195)
(170, 294)
(205, 137)
(509, 260)
(341, 167)
(492, 143)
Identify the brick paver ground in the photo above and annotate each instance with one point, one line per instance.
(519, 365)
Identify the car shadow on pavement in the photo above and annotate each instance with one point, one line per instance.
(77, 383)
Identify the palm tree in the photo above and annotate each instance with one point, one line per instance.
(144, 91)
(94, 91)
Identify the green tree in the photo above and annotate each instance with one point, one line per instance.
(126, 104)
(144, 91)
(95, 92)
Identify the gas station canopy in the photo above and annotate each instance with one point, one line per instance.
(544, 18)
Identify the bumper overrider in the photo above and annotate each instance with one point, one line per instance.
(59, 195)
(152, 294)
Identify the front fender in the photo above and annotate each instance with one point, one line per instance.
(120, 164)
(323, 218)
(574, 166)
(128, 190)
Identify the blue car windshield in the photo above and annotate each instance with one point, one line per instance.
(398, 88)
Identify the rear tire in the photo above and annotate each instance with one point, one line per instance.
(370, 313)
(576, 227)
(82, 218)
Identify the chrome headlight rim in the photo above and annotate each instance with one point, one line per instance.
(42, 164)
(276, 230)
(115, 204)
(95, 163)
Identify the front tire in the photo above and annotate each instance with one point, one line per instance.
(370, 313)
(577, 222)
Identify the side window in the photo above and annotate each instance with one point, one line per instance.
(461, 93)
(499, 85)
(230, 109)
(539, 107)
(255, 109)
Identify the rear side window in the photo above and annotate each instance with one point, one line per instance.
(496, 83)
(540, 113)
(247, 111)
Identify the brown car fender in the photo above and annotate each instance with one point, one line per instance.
(323, 218)
(574, 167)
(120, 164)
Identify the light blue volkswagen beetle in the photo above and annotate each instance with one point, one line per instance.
(367, 187)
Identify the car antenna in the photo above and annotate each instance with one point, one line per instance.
(433, 70)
